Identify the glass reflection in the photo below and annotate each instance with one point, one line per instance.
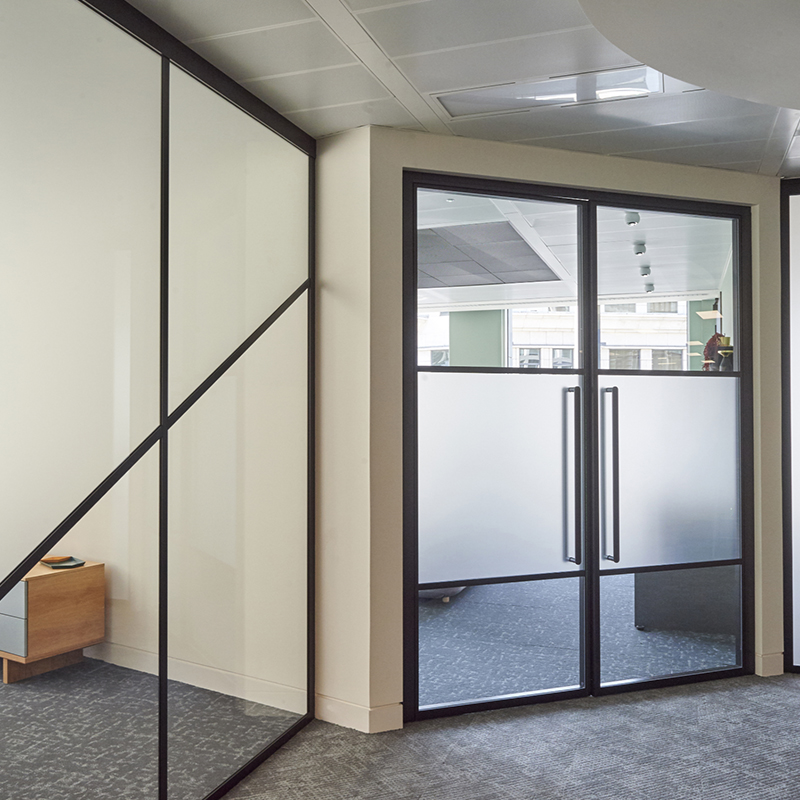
(483, 642)
(675, 622)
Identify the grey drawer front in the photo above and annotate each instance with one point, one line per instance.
(15, 603)
(13, 635)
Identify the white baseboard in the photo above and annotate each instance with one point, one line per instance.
(769, 664)
(361, 718)
(254, 690)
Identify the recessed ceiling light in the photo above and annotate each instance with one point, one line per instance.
(632, 218)
(639, 248)
(709, 314)
(588, 87)
(648, 287)
(644, 270)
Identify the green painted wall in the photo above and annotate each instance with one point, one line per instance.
(477, 339)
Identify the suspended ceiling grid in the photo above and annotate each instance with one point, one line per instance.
(331, 65)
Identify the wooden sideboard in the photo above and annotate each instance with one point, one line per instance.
(49, 617)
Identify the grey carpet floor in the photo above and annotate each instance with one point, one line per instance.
(503, 639)
(90, 731)
(737, 739)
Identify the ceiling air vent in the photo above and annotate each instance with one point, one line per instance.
(589, 87)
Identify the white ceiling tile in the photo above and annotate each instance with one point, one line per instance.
(362, 5)
(656, 137)
(191, 19)
(616, 115)
(294, 48)
(544, 56)
(324, 121)
(438, 24)
(705, 155)
(327, 87)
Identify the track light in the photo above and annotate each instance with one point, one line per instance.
(644, 270)
(639, 248)
(632, 218)
(648, 287)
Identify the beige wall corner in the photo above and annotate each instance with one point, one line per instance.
(769, 664)
(360, 718)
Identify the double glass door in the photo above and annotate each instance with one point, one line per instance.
(576, 470)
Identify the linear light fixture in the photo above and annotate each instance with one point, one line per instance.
(589, 87)
(709, 314)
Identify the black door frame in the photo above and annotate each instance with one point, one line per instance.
(587, 201)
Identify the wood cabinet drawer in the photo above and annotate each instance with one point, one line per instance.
(13, 635)
(15, 603)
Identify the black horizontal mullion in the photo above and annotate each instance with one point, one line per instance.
(537, 576)
(502, 370)
(236, 355)
(668, 567)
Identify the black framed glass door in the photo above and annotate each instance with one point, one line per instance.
(576, 469)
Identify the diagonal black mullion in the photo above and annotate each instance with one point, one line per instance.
(235, 355)
(78, 513)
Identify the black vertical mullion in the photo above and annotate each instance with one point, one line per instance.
(743, 293)
(410, 450)
(590, 339)
(163, 460)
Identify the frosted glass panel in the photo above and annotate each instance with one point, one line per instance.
(238, 228)
(238, 561)
(79, 260)
(678, 469)
(496, 472)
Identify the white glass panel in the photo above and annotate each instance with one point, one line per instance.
(794, 293)
(496, 471)
(238, 229)
(238, 561)
(678, 469)
(79, 260)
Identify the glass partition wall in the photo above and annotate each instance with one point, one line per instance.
(577, 459)
(157, 420)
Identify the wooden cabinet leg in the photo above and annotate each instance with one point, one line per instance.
(13, 671)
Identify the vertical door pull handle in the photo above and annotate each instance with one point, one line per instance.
(578, 557)
(614, 391)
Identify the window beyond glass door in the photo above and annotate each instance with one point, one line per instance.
(497, 282)
(666, 291)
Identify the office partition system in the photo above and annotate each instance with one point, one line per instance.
(578, 466)
(157, 345)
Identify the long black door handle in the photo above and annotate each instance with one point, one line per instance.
(614, 391)
(578, 557)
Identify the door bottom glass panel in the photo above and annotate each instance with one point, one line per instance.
(481, 643)
(668, 623)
